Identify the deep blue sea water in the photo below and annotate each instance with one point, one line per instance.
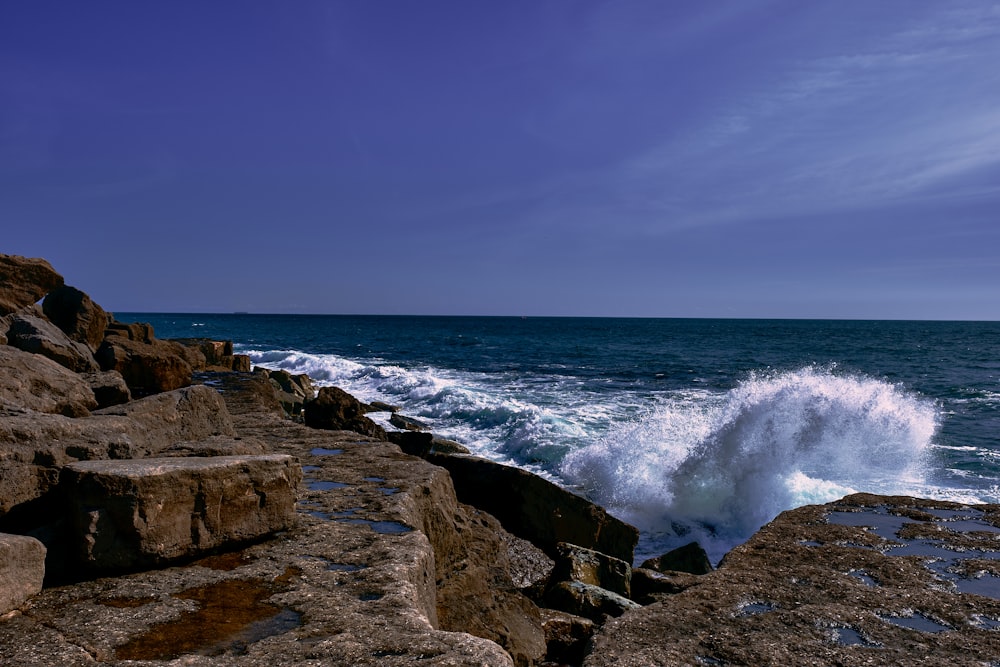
(687, 428)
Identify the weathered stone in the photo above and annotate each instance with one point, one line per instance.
(688, 558)
(382, 406)
(242, 363)
(23, 281)
(589, 601)
(297, 385)
(566, 636)
(216, 445)
(109, 388)
(445, 446)
(591, 567)
(22, 569)
(649, 585)
(809, 590)
(335, 409)
(214, 352)
(146, 512)
(193, 355)
(34, 446)
(407, 423)
(31, 333)
(413, 443)
(536, 509)
(137, 331)
(37, 383)
(77, 315)
(148, 368)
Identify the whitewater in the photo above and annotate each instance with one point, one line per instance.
(689, 430)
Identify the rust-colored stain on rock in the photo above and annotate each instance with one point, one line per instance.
(232, 615)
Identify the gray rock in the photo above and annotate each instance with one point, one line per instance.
(23, 281)
(32, 333)
(591, 567)
(22, 569)
(37, 383)
(77, 315)
(147, 512)
(536, 509)
(445, 446)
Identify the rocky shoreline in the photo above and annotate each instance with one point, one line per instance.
(162, 503)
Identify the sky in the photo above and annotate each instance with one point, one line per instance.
(658, 158)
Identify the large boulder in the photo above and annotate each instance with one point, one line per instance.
(148, 367)
(37, 383)
(146, 512)
(536, 509)
(593, 602)
(336, 410)
(22, 569)
(31, 333)
(109, 388)
(77, 315)
(592, 567)
(23, 281)
(865, 580)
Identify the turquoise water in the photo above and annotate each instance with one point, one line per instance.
(690, 429)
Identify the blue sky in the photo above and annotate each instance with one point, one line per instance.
(690, 159)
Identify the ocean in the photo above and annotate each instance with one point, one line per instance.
(690, 429)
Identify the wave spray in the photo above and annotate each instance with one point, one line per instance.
(715, 468)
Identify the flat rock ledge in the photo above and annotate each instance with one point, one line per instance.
(146, 512)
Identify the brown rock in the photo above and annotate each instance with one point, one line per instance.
(215, 352)
(649, 585)
(593, 602)
(536, 509)
(29, 332)
(37, 383)
(335, 409)
(77, 315)
(147, 512)
(22, 569)
(138, 331)
(241, 363)
(809, 589)
(591, 567)
(148, 368)
(566, 636)
(407, 423)
(688, 558)
(413, 443)
(109, 388)
(445, 446)
(23, 281)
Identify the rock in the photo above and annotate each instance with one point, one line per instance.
(591, 567)
(37, 383)
(407, 423)
(817, 586)
(31, 333)
(147, 512)
(413, 443)
(216, 445)
(382, 406)
(589, 601)
(566, 636)
(137, 331)
(444, 446)
(77, 315)
(109, 388)
(22, 570)
(335, 409)
(242, 363)
(23, 281)
(688, 558)
(148, 368)
(215, 352)
(35, 446)
(297, 385)
(649, 585)
(536, 509)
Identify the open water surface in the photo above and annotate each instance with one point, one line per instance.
(687, 428)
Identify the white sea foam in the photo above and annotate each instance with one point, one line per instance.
(720, 468)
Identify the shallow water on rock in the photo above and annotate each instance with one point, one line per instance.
(916, 622)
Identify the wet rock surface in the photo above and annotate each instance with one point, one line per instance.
(862, 581)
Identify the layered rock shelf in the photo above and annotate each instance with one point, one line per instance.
(163, 503)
